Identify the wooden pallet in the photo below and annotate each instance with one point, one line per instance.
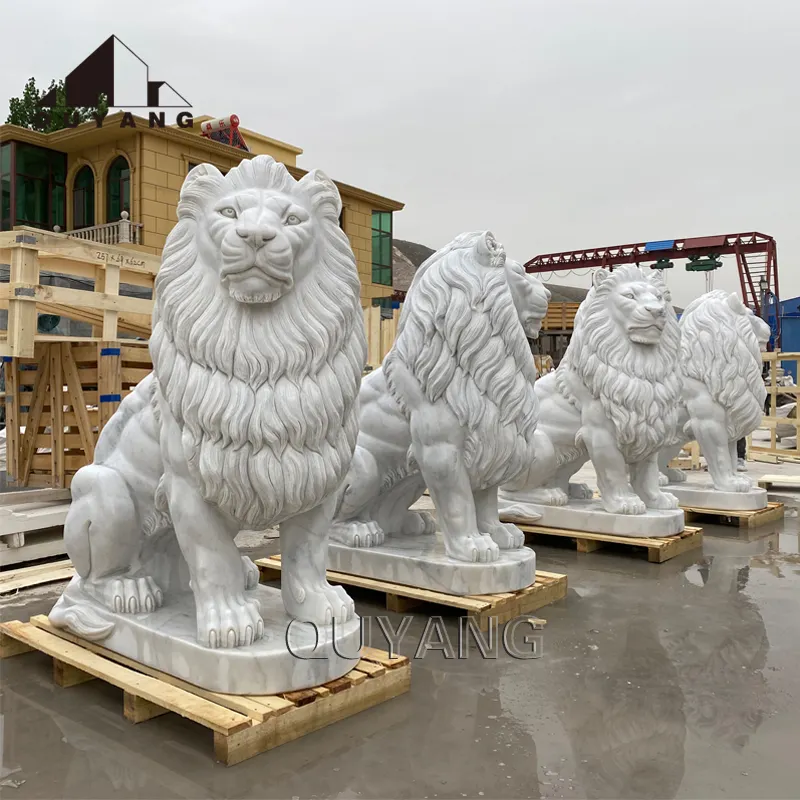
(243, 726)
(549, 587)
(742, 519)
(658, 549)
(779, 481)
(12, 580)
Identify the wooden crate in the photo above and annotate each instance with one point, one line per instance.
(548, 588)
(560, 317)
(742, 519)
(58, 402)
(771, 421)
(380, 334)
(658, 549)
(243, 726)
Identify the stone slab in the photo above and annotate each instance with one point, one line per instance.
(589, 516)
(166, 640)
(714, 500)
(421, 561)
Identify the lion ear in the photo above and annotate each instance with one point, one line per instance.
(734, 303)
(489, 250)
(323, 193)
(200, 185)
(600, 275)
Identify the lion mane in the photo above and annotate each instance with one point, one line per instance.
(265, 395)
(720, 348)
(460, 336)
(639, 386)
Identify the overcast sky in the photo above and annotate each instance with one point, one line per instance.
(557, 124)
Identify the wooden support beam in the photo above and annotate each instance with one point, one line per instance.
(11, 370)
(109, 380)
(56, 414)
(24, 275)
(77, 401)
(34, 416)
(112, 289)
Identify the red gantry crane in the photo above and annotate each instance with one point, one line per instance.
(756, 258)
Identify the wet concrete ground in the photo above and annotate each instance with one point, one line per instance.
(671, 680)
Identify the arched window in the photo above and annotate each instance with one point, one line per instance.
(83, 199)
(118, 189)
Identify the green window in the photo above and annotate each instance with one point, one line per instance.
(40, 193)
(83, 199)
(118, 189)
(382, 247)
(5, 186)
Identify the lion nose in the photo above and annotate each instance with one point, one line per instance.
(656, 310)
(257, 235)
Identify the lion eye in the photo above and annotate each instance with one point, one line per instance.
(228, 212)
(629, 295)
(292, 219)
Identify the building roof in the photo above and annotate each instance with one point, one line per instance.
(87, 134)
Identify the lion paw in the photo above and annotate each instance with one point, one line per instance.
(506, 535)
(624, 504)
(548, 496)
(663, 501)
(358, 534)
(133, 595)
(320, 604)
(418, 523)
(734, 483)
(251, 573)
(663, 479)
(675, 475)
(473, 547)
(227, 619)
(580, 491)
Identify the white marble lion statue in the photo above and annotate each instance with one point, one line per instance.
(247, 420)
(452, 406)
(613, 398)
(723, 390)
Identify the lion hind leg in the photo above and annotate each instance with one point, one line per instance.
(104, 536)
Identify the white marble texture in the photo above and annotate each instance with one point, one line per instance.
(591, 517)
(613, 398)
(248, 421)
(166, 640)
(714, 500)
(422, 561)
(723, 390)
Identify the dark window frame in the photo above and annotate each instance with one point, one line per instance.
(382, 273)
(51, 184)
(78, 193)
(124, 179)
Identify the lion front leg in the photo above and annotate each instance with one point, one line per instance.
(307, 595)
(438, 442)
(506, 535)
(709, 423)
(598, 434)
(226, 616)
(644, 479)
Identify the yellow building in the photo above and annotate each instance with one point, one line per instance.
(120, 185)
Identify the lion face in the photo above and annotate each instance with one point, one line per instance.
(261, 240)
(531, 298)
(639, 307)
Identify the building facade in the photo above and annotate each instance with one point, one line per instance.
(120, 185)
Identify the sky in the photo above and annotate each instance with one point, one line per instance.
(557, 124)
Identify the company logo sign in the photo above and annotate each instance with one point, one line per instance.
(115, 71)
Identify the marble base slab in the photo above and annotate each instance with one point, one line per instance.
(708, 497)
(589, 516)
(421, 561)
(166, 640)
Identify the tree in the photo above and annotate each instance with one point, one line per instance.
(26, 112)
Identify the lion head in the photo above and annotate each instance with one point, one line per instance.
(461, 338)
(258, 342)
(721, 347)
(530, 296)
(625, 351)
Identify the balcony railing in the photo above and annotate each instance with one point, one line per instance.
(122, 232)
